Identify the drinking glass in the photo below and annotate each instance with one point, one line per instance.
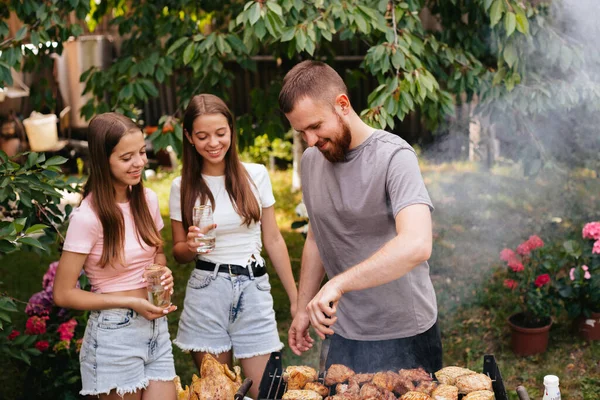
(157, 295)
(202, 217)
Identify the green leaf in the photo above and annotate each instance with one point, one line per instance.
(177, 44)
(254, 13)
(276, 8)
(496, 12)
(35, 229)
(21, 33)
(56, 160)
(288, 34)
(510, 55)
(522, 23)
(149, 87)
(398, 60)
(126, 92)
(188, 53)
(31, 242)
(510, 23)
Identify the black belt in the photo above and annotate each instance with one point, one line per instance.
(232, 269)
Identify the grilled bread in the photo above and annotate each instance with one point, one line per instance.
(415, 396)
(297, 376)
(448, 375)
(445, 392)
(480, 395)
(301, 395)
(473, 382)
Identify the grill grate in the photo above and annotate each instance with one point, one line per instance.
(272, 385)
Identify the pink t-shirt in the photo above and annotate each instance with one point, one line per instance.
(85, 235)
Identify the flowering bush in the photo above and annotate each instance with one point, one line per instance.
(529, 277)
(58, 333)
(579, 286)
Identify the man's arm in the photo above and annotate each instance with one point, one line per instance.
(311, 276)
(411, 246)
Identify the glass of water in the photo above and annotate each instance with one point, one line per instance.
(202, 217)
(157, 295)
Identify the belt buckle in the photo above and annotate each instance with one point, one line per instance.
(230, 273)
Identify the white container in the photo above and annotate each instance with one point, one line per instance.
(42, 132)
(551, 390)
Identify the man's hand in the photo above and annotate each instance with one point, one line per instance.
(322, 308)
(298, 337)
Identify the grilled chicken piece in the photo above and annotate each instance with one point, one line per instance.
(338, 373)
(300, 395)
(297, 376)
(359, 379)
(426, 387)
(352, 388)
(480, 395)
(415, 396)
(405, 382)
(415, 374)
(317, 387)
(448, 375)
(473, 382)
(344, 396)
(370, 391)
(218, 381)
(445, 392)
(386, 380)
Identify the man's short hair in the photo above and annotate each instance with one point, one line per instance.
(313, 79)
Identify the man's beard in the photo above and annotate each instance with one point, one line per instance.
(339, 145)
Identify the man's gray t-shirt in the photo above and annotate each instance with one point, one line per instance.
(352, 207)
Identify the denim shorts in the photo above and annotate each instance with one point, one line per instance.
(123, 351)
(221, 311)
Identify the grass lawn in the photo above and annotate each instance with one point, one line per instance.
(477, 214)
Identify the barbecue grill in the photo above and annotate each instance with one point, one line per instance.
(272, 385)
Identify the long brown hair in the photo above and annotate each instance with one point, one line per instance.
(104, 133)
(237, 179)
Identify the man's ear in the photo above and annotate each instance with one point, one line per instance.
(343, 102)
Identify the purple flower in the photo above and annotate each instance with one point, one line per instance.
(40, 303)
(48, 280)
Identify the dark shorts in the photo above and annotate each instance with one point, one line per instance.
(423, 350)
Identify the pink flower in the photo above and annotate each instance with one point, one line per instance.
(510, 284)
(572, 274)
(13, 335)
(42, 345)
(524, 248)
(584, 267)
(542, 280)
(507, 255)
(35, 325)
(516, 265)
(535, 242)
(66, 330)
(591, 231)
(587, 275)
(596, 249)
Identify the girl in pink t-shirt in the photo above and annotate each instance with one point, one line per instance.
(113, 235)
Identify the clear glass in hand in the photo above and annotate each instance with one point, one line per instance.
(203, 217)
(157, 295)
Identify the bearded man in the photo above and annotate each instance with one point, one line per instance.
(370, 231)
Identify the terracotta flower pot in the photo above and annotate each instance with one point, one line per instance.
(528, 341)
(589, 328)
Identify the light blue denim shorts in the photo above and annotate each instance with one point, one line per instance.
(223, 311)
(123, 351)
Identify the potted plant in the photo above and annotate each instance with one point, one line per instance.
(529, 275)
(580, 285)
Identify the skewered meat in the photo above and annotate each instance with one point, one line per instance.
(359, 379)
(415, 396)
(448, 375)
(338, 373)
(445, 392)
(300, 395)
(317, 387)
(386, 380)
(218, 381)
(426, 387)
(297, 376)
(473, 382)
(480, 395)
